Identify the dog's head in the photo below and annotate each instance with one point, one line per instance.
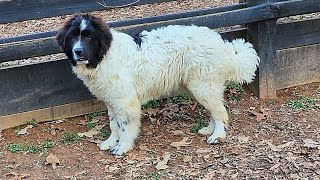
(85, 39)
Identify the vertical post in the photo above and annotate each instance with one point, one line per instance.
(262, 35)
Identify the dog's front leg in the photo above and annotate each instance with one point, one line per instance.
(113, 139)
(127, 114)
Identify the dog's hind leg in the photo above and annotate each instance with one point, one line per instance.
(210, 95)
(128, 116)
(113, 139)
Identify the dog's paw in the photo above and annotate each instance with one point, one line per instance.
(217, 136)
(110, 143)
(205, 131)
(120, 149)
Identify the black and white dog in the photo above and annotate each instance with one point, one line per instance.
(125, 74)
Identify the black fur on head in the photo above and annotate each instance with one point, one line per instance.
(85, 39)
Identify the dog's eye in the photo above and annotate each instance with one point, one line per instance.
(88, 37)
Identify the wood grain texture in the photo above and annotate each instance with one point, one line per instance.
(52, 113)
(17, 10)
(298, 66)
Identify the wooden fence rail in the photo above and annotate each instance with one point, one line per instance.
(48, 90)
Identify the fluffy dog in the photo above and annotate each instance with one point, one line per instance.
(125, 71)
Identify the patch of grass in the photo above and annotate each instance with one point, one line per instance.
(156, 175)
(93, 115)
(13, 148)
(198, 125)
(182, 98)
(32, 122)
(233, 97)
(48, 144)
(69, 137)
(302, 102)
(16, 130)
(44, 130)
(104, 133)
(152, 104)
(91, 125)
(236, 87)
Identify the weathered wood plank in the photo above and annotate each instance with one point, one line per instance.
(52, 113)
(298, 33)
(298, 66)
(130, 22)
(17, 10)
(39, 86)
(263, 35)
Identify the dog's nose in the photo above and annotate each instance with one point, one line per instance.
(78, 51)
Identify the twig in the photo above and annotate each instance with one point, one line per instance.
(106, 6)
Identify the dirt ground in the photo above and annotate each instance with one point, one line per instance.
(276, 139)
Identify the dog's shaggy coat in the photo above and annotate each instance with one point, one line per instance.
(167, 61)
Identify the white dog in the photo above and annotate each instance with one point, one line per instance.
(125, 72)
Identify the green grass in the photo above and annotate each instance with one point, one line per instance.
(156, 175)
(69, 137)
(152, 104)
(13, 148)
(32, 122)
(182, 98)
(236, 87)
(104, 133)
(198, 125)
(91, 116)
(233, 97)
(303, 102)
(91, 125)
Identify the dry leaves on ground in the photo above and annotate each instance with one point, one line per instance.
(16, 176)
(279, 148)
(24, 130)
(163, 164)
(309, 143)
(92, 132)
(263, 114)
(53, 160)
(181, 143)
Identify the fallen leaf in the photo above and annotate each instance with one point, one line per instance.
(234, 176)
(163, 164)
(200, 151)
(280, 147)
(112, 168)
(181, 143)
(187, 158)
(263, 114)
(54, 130)
(177, 132)
(53, 160)
(309, 143)
(24, 130)
(151, 111)
(16, 176)
(92, 132)
(275, 167)
(243, 139)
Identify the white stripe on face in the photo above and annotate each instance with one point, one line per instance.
(76, 46)
(83, 25)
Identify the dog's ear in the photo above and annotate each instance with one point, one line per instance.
(62, 34)
(104, 33)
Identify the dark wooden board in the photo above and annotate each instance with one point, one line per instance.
(263, 36)
(39, 86)
(52, 113)
(21, 10)
(299, 33)
(131, 22)
(298, 66)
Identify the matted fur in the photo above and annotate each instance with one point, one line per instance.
(169, 60)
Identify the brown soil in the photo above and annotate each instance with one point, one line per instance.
(276, 145)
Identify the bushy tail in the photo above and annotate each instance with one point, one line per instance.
(245, 61)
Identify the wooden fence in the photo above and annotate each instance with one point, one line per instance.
(44, 91)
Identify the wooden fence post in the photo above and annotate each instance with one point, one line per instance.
(262, 35)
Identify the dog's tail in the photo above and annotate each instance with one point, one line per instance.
(245, 61)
